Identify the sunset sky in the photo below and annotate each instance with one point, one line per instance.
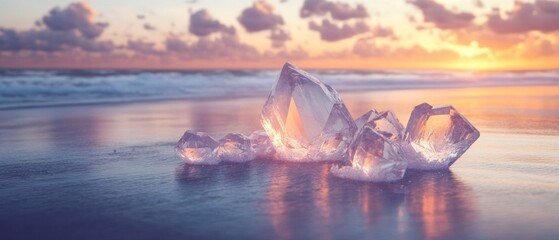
(224, 34)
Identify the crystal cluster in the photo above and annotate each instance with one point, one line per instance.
(200, 148)
(304, 119)
(374, 158)
(375, 150)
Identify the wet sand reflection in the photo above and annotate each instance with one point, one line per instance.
(434, 205)
(440, 203)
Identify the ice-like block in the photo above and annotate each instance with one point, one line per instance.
(235, 147)
(375, 158)
(262, 145)
(197, 148)
(385, 123)
(436, 137)
(306, 119)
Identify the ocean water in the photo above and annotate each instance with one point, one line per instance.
(47, 88)
(89, 155)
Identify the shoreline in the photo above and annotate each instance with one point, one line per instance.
(263, 96)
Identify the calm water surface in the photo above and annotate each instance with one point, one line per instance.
(109, 172)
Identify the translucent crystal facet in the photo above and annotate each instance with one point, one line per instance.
(306, 119)
(436, 137)
(375, 158)
(197, 148)
(385, 123)
(262, 145)
(235, 147)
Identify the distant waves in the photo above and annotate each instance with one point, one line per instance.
(25, 88)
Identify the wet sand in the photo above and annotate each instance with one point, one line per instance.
(109, 172)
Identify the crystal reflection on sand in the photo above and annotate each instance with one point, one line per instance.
(304, 201)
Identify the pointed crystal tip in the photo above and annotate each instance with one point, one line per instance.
(305, 119)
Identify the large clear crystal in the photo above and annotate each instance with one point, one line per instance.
(197, 148)
(306, 119)
(375, 158)
(262, 144)
(436, 137)
(235, 147)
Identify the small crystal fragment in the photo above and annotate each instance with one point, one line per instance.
(197, 148)
(436, 137)
(235, 147)
(375, 158)
(385, 123)
(261, 144)
(306, 119)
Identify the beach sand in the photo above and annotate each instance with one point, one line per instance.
(109, 171)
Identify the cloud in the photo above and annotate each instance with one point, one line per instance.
(77, 16)
(225, 47)
(366, 48)
(337, 10)
(149, 27)
(141, 16)
(383, 32)
(259, 17)
(484, 37)
(70, 28)
(443, 18)
(479, 4)
(332, 32)
(49, 41)
(540, 16)
(279, 37)
(142, 47)
(202, 24)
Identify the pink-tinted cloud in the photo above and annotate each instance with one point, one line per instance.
(440, 16)
(337, 10)
(538, 16)
(259, 17)
(49, 41)
(71, 28)
(279, 37)
(142, 47)
(332, 32)
(203, 24)
(366, 48)
(383, 32)
(226, 46)
(77, 16)
(149, 27)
